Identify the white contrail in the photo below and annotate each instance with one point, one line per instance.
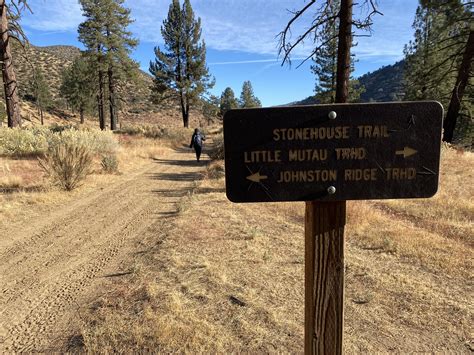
(275, 60)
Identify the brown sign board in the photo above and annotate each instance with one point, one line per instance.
(333, 152)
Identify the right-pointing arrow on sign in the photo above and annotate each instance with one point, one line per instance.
(406, 152)
(257, 177)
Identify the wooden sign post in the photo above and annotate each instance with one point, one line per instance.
(325, 155)
(324, 276)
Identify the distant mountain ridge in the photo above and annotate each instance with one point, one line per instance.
(384, 84)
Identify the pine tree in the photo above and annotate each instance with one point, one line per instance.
(247, 97)
(78, 86)
(325, 63)
(92, 36)
(439, 58)
(41, 94)
(109, 43)
(10, 29)
(329, 15)
(421, 55)
(181, 68)
(210, 108)
(119, 44)
(228, 101)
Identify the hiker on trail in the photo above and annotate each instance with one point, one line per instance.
(196, 142)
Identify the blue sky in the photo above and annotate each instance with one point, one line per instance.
(240, 37)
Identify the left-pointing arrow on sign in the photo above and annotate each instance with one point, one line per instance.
(257, 177)
(407, 152)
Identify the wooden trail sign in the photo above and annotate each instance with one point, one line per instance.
(325, 155)
(333, 152)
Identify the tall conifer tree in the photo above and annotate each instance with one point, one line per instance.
(228, 101)
(41, 93)
(104, 33)
(325, 62)
(119, 44)
(91, 34)
(78, 86)
(181, 67)
(247, 96)
(438, 59)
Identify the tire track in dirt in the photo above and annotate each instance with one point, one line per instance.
(46, 268)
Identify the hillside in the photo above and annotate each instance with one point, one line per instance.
(384, 84)
(53, 60)
(136, 106)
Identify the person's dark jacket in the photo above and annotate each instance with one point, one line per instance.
(197, 139)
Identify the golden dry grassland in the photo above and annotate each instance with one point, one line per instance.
(222, 277)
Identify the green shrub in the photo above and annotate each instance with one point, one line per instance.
(67, 165)
(109, 163)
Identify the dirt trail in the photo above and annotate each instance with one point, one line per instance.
(49, 265)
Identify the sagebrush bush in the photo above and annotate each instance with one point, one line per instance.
(109, 163)
(217, 150)
(21, 142)
(67, 164)
(97, 142)
(39, 140)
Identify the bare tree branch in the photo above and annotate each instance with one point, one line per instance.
(322, 16)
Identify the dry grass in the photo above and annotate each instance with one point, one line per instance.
(222, 277)
(436, 232)
(11, 182)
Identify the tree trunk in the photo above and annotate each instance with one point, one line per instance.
(324, 235)
(100, 99)
(41, 116)
(81, 113)
(9, 78)
(459, 88)
(344, 51)
(99, 111)
(187, 113)
(184, 110)
(113, 111)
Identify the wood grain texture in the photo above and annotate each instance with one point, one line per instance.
(324, 276)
